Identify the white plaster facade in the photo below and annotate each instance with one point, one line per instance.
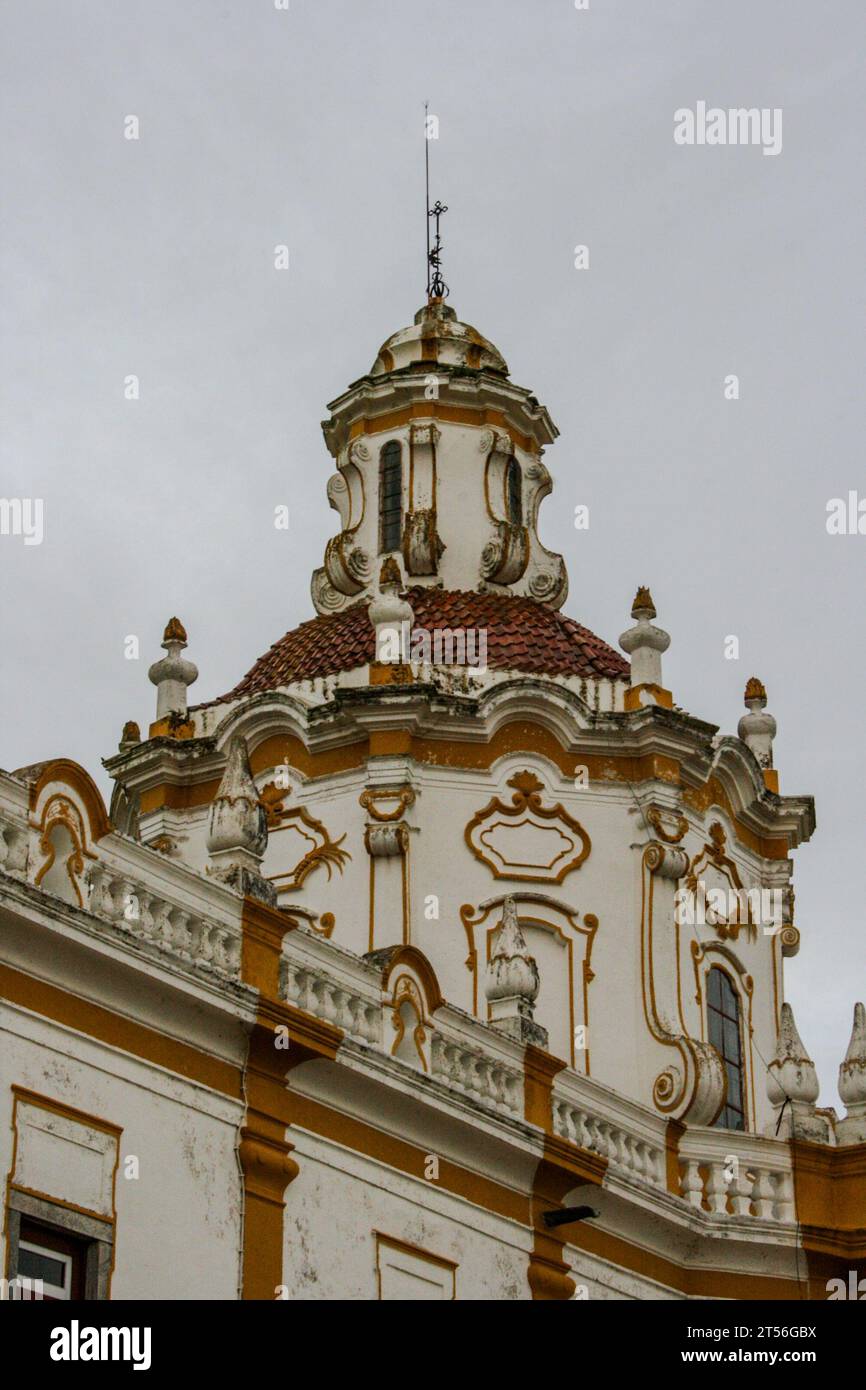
(406, 1144)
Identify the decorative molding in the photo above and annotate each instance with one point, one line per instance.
(347, 566)
(655, 817)
(59, 811)
(372, 798)
(505, 556)
(323, 850)
(714, 858)
(406, 991)
(386, 841)
(693, 1088)
(558, 836)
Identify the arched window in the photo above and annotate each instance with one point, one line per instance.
(390, 497)
(514, 492)
(723, 1019)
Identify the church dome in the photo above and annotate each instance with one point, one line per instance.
(438, 336)
(521, 635)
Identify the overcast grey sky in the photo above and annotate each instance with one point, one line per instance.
(257, 127)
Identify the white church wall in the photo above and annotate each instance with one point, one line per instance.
(340, 1201)
(176, 1191)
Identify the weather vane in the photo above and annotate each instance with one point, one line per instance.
(436, 286)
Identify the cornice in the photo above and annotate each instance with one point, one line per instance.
(460, 388)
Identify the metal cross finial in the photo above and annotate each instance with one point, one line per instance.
(437, 288)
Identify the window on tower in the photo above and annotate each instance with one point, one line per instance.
(390, 497)
(725, 1033)
(514, 492)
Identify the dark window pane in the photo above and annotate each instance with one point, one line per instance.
(731, 1035)
(38, 1266)
(514, 490)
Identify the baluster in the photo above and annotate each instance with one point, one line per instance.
(717, 1188)
(95, 880)
(16, 849)
(642, 1160)
(343, 1014)
(784, 1197)
(146, 903)
(354, 1016)
(180, 933)
(233, 954)
(224, 950)
(602, 1129)
(370, 1022)
(741, 1192)
(197, 928)
(103, 904)
(207, 945)
(692, 1184)
(162, 925)
(307, 998)
(486, 1088)
(762, 1195)
(130, 904)
(436, 1054)
(292, 986)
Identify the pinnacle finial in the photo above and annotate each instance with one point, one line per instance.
(757, 729)
(792, 1083)
(130, 737)
(755, 690)
(512, 982)
(237, 833)
(643, 605)
(173, 674)
(852, 1084)
(644, 642)
(391, 616)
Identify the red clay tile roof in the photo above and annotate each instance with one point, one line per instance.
(522, 635)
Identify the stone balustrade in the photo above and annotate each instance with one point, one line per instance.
(359, 1014)
(731, 1174)
(469, 1069)
(624, 1150)
(466, 1056)
(173, 927)
(722, 1172)
(594, 1118)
